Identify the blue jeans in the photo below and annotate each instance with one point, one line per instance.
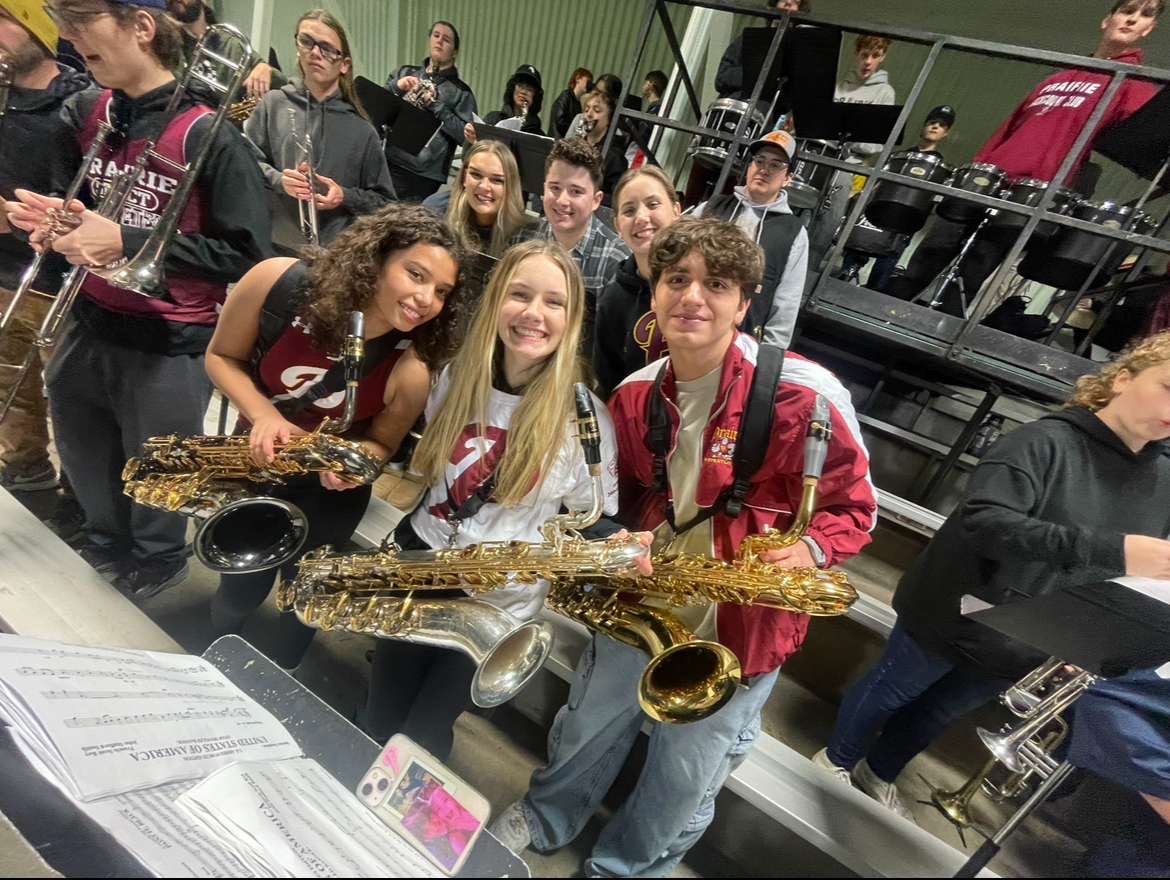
(674, 800)
(902, 704)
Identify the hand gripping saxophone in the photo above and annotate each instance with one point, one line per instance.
(215, 479)
(385, 593)
(687, 678)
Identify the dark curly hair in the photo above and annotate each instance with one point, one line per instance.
(725, 248)
(579, 153)
(344, 277)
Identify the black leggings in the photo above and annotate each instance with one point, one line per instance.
(418, 690)
(332, 518)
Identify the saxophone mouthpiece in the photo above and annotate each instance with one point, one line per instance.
(588, 431)
(816, 444)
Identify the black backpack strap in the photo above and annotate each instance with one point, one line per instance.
(751, 447)
(755, 428)
(280, 307)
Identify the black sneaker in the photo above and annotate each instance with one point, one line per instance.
(143, 579)
(68, 521)
(38, 478)
(105, 560)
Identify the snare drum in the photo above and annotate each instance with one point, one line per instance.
(1068, 257)
(896, 207)
(804, 190)
(1027, 191)
(724, 115)
(976, 178)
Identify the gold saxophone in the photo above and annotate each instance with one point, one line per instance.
(214, 479)
(391, 593)
(688, 678)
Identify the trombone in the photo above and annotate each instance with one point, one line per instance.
(143, 272)
(306, 210)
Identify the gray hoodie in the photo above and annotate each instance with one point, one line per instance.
(875, 90)
(787, 296)
(345, 148)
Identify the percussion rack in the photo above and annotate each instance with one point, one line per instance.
(1030, 366)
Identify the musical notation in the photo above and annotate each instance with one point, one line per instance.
(154, 717)
(116, 675)
(140, 695)
(128, 658)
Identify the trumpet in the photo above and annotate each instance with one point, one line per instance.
(143, 273)
(1027, 750)
(213, 479)
(688, 678)
(306, 210)
(387, 593)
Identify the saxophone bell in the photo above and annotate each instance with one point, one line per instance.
(251, 534)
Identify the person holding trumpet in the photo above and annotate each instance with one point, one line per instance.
(316, 126)
(130, 366)
(271, 355)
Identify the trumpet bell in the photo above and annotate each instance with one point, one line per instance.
(249, 535)
(688, 682)
(511, 663)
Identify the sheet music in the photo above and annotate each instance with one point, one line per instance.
(292, 818)
(1158, 590)
(106, 721)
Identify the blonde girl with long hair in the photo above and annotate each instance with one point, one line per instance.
(485, 206)
(501, 456)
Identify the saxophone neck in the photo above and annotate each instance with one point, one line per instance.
(589, 436)
(352, 356)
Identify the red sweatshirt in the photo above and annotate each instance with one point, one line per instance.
(1038, 135)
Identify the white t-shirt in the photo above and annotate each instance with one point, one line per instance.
(567, 483)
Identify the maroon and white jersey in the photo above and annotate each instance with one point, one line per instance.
(473, 460)
(191, 300)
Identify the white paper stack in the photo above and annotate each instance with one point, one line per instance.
(292, 819)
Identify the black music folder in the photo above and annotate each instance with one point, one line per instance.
(805, 65)
(530, 150)
(406, 126)
(1142, 142)
(1105, 627)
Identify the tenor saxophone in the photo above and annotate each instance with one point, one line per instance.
(405, 594)
(215, 480)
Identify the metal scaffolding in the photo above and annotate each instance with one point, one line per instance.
(1035, 367)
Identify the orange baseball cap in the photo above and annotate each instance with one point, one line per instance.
(781, 139)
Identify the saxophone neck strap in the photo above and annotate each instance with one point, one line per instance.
(751, 446)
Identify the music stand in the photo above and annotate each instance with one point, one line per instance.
(1142, 142)
(805, 65)
(1107, 628)
(530, 150)
(406, 126)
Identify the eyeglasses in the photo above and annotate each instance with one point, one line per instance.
(772, 166)
(307, 44)
(72, 18)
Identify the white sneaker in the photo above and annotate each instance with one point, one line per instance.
(885, 793)
(511, 829)
(840, 774)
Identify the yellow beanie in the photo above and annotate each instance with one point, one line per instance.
(31, 14)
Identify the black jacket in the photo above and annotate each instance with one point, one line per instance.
(508, 111)
(565, 107)
(239, 231)
(1047, 507)
(626, 335)
(454, 107)
(37, 152)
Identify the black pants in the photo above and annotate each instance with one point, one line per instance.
(420, 691)
(409, 187)
(942, 244)
(332, 518)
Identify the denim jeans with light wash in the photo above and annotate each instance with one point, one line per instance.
(674, 800)
(902, 705)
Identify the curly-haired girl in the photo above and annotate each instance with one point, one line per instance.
(272, 348)
(1075, 497)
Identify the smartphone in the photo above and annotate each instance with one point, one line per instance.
(435, 811)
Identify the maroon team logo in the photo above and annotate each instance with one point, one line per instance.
(649, 338)
(473, 460)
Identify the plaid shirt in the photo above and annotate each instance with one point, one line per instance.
(598, 255)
